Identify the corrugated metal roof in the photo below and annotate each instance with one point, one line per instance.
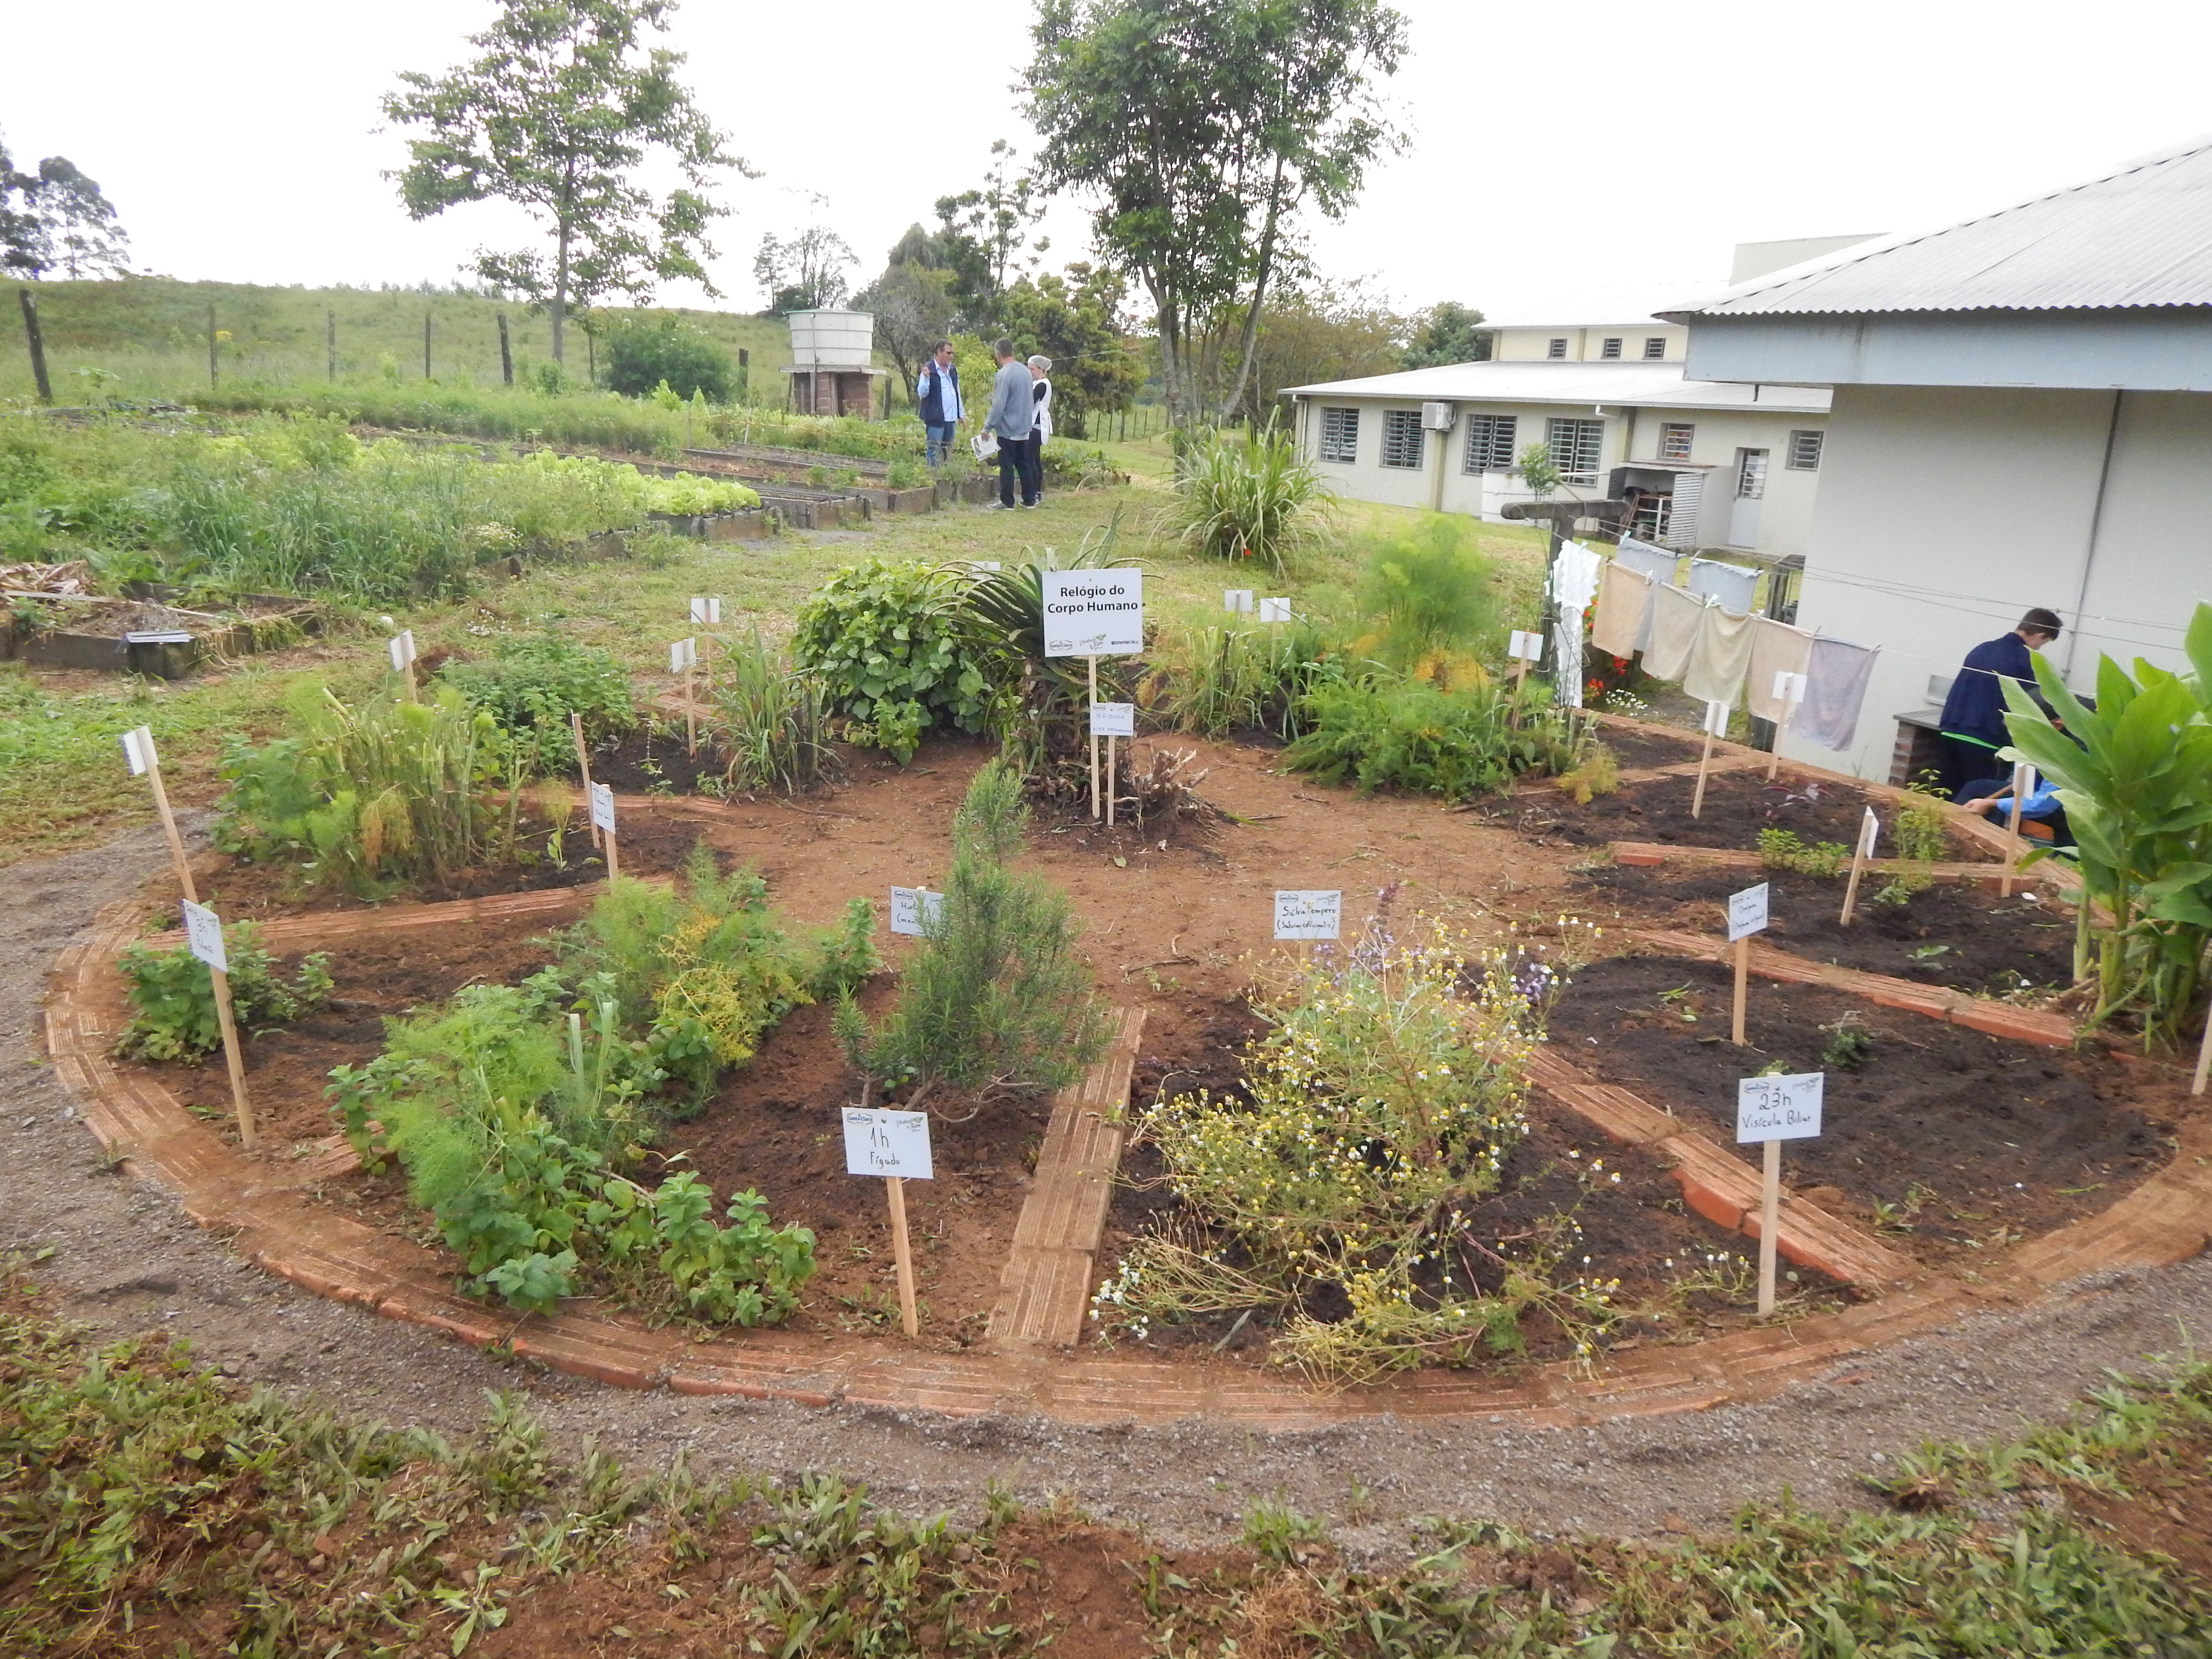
(1647, 385)
(2139, 236)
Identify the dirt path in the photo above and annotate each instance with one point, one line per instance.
(124, 1259)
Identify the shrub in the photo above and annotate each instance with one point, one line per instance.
(770, 720)
(1597, 773)
(642, 354)
(1429, 596)
(1250, 499)
(534, 682)
(848, 954)
(1215, 679)
(1781, 849)
(890, 641)
(171, 994)
(1411, 736)
(996, 997)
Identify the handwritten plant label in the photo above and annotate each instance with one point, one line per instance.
(1746, 912)
(915, 910)
(1526, 646)
(603, 807)
(706, 612)
(403, 650)
(1788, 687)
(985, 564)
(1308, 913)
(204, 933)
(1113, 719)
(138, 751)
(682, 655)
(880, 1143)
(1717, 718)
(1237, 598)
(1870, 832)
(1274, 610)
(1093, 613)
(1786, 1108)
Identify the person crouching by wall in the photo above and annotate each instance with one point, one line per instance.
(1040, 430)
(1974, 714)
(937, 400)
(1011, 419)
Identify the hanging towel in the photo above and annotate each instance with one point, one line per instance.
(1776, 648)
(1624, 601)
(1574, 585)
(1655, 562)
(1721, 657)
(1836, 675)
(1675, 614)
(1731, 584)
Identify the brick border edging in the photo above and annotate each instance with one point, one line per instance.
(2167, 1219)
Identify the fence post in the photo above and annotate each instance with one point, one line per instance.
(37, 346)
(426, 345)
(330, 342)
(211, 369)
(505, 357)
(744, 376)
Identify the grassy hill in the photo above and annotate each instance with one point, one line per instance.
(153, 333)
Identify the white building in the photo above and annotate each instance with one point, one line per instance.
(2021, 418)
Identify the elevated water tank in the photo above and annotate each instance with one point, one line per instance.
(831, 339)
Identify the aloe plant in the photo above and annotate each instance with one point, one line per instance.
(2134, 775)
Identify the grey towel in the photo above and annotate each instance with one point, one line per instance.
(1733, 585)
(1655, 562)
(1836, 675)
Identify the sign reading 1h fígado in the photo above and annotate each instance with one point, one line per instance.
(1093, 613)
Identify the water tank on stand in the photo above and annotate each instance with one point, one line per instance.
(831, 354)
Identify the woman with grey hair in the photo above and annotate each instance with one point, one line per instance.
(1041, 425)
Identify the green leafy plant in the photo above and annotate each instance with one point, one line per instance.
(1253, 500)
(890, 644)
(771, 722)
(534, 682)
(848, 955)
(690, 495)
(1429, 600)
(1849, 1044)
(1781, 849)
(1536, 468)
(1216, 680)
(171, 994)
(1408, 735)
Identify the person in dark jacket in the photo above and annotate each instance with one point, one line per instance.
(1973, 715)
(937, 400)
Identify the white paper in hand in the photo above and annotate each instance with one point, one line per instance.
(706, 612)
(915, 910)
(603, 807)
(138, 751)
(1786, 1108)
(1308, 913)
(1113, 719)
(1527, 647)
(1746, 912)
(879, 1143)
(203, 934)
(1093, 613)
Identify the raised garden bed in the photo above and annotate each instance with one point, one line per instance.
(144, 635)
(750, 524)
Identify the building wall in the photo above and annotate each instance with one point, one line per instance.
(1946, 512)
(1785, 518)
(1586, 343)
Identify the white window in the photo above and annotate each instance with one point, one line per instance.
(1750, 475)
(1557, 348)
(1655, 345)
(1577, 447)
(1611, 348)
(1340, 435)
(1675, 440)
(1804, 451)
(1401, 438)
(1490, 443)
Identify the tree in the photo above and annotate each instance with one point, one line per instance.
(643, 352)
(1317, 331)
(1076, 320)
(804, 273)
(913, 312)
(1446, 334)
(980, 234)
(1202, 128)
(561, 107)
(57, 219)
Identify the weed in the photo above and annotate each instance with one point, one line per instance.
(534, 682)
(1275, 1532)
(1849, 1044)
(1781, 849)
(171, 994)
(1597, 773)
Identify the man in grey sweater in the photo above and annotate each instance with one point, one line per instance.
(1013, 413)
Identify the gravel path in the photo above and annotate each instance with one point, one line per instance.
(125, 1260)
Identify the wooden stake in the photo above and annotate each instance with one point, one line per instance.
(614, 857)
(1781, 731)
(691, 707)
(1742, 976)
(1770, 1207)
(895, 1189)
(169, 829)
(223, 1015)
(2020, 776)
(2203, 1057)
(1092, 664)
(584, 766)
(1112, 788)
(1851, 887)
(1705, 760)
(37, 343)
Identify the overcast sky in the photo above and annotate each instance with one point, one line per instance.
(238, 138)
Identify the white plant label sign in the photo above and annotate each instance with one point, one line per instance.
(603, 807)
(1527, 647)
(915, 910)
(1093, 613)
(1308, 913)
(1274, 610)
(1786, 1108)
(985, 564)
(1113, 719)
(138, 751)
(682, 655)
(1870, 832)
(1237, 598)
(1746, 912)
(204, 933)
(402, 651)
(880, 1143)
(1788, 687)
(1717, 718)
(706, 612)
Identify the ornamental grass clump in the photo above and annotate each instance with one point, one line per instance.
(771, 719)
(1348, 1177)
(1250, 501)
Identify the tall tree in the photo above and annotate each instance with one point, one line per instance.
(1447, 332)
(1202, 130)
(564, 104)
(58, 219)
(1076, 320)
(803, 272)
(1320, 331)
(981, 232)
(913, 312)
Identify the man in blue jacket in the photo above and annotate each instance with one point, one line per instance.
(936, 399)
(1013, 415)
(1973, 715)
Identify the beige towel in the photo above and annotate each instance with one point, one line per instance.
(1776, 648)
(1675, 615)
(1721, 658)
(1623, 597)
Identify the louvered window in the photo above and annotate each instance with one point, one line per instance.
(1557, 348)
(1611, 348)
(1577, 447)
(1805, 452)
(1490, 443)
(1401, 438)
(1655, 346)
(1340, 435)
(1674, 438)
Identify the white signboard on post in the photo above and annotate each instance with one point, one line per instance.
(603, 807)
(403, 650)
(1308, 913)
(1784, 1107)
(682, 655)
(914, 909)
(1237, 598)
(1717, 719)
(1788, 687)
(1527, 647)
(1274, 610)
(1746, 912)
(1113, 719)
(1093, 613)
(138, 749)
(1870, 832)
(204, 933)
(706, 612)
(880, 1143)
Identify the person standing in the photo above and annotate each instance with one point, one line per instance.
(936, 399)
(1041, 428)
(1972, 723)
(1012, 416)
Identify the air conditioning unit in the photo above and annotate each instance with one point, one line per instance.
(1438, 417)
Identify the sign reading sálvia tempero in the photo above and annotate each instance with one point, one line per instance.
(1093, 613)
(1308, 913)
